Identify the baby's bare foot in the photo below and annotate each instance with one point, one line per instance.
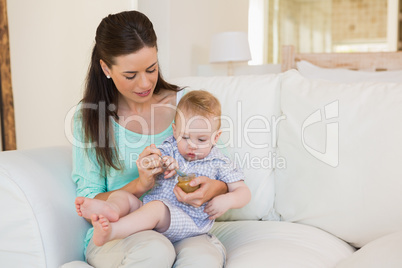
(102, 230)
(86, 207)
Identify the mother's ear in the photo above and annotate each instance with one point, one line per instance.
(105, 69)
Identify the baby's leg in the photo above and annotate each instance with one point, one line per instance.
(153, 215)
(119, 203)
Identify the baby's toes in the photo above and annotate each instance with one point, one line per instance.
(103, 221)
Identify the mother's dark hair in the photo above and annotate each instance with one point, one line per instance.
(118, 34)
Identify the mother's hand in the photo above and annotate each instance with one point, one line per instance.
(208, 189)
(149, 165)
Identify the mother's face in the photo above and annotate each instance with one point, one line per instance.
(135, 75)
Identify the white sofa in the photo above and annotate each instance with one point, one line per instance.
(322, 160)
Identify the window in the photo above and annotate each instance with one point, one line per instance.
(321, 26)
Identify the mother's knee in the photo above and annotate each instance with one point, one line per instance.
(200, 251)
(143, 249)
(153, 248)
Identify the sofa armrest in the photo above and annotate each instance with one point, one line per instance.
(40, 227)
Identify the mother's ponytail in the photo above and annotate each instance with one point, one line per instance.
(100, 98)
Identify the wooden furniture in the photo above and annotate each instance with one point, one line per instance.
(8, 140)
(400, 26)
(378, 61)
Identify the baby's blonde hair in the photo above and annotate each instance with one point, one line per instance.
(202, 103)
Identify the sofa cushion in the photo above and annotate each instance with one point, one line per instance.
(279, 244)
(383, 252)
(339, 75)
(343, 147)
(250, 104)
(40, 227)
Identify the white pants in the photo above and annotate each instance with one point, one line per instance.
(152, 249)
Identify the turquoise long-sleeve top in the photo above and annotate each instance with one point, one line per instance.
(86, 171)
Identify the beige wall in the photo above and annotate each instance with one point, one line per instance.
(50, 44)
(185, 28)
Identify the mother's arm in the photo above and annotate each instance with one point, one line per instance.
(208, 189)
(149, 165)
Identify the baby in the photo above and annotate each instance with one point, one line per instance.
(192, 148)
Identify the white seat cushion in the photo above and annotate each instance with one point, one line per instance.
(383, 252)
(279, 244)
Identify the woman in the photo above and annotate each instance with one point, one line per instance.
(127, 108)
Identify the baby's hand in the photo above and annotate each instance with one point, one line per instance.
(170, 164)
(217, 207)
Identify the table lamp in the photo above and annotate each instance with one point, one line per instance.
(229, 47)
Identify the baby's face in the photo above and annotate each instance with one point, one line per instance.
(195, 136)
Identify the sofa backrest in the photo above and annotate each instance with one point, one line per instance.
(337, 153)
(343, 147)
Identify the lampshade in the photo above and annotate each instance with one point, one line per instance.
(229, 47)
